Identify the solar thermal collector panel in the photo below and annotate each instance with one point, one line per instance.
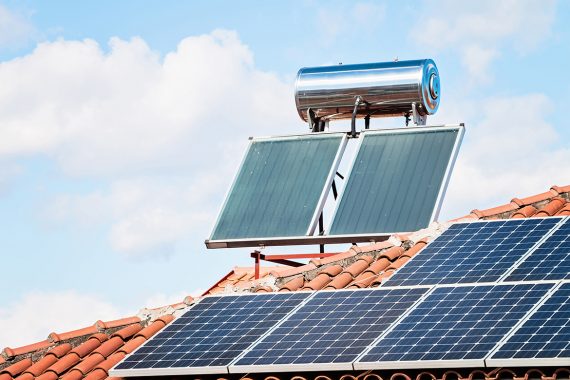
(280, 189)
(397, 180)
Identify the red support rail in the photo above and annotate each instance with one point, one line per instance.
(285, 259)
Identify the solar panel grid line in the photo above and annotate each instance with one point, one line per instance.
(328, 186)
(482, 249)
(533, 350)
(550, 260)
(454, 326)
(538, 244)
(209, 335)
(310, 340)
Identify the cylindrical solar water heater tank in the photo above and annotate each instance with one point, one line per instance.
(387, 88)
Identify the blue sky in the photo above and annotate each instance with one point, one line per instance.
(121, 126)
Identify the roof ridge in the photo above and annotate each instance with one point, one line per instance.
(75, 337)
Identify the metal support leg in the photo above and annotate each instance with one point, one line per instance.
(257, 256)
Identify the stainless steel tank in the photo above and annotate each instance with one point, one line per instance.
(386, 89)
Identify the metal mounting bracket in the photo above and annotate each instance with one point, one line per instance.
(416, 117)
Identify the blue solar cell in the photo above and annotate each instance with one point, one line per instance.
(213, 332)
(550, 261)
(473, 252)
(456, 323)
(546, 333)
(331, 327)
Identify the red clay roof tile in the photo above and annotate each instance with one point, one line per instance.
(392, 253)
(525, 212)
(17, 368)
(126, 332)
(332, 270)
(359, 265)
(109, 346)
(101, 325)
(65, 363)
(496, 210)
(72, 375)
(132, 344)
(340, 281)
(364, 280)
(375, 247)
(101, 337)
(40, 366)
(55, 337)
(12, 352)
(49, 375)
(295, 271)
(151, 329)
(107, 364)
(318, 283)
(561, 189)
(88, 363)
(564, 210)
(535, 198)
(86, 348)
(295, 284)
(551, 208)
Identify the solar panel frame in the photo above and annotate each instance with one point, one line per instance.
(442, 189)
(392, 280)
(360, 364)
(533, 266)
(536, 361)
(198, 370)
(212, 242)
(316, 366)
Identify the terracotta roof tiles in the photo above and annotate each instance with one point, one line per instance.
(90, 352)
(78, 354)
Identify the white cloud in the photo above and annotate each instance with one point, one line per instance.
(167, 133)
(37, 314)
(128, 110)
(15, 28)
(480, 30)
(162, 299)
(511, 151)
(147, 216)
(342, 21)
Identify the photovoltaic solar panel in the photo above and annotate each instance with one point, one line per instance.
(550, 261)
(454, 326)
(329, 331)
(544, 339)
(280, 188)
(473, 252)
(397, 180)
(210, 335)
